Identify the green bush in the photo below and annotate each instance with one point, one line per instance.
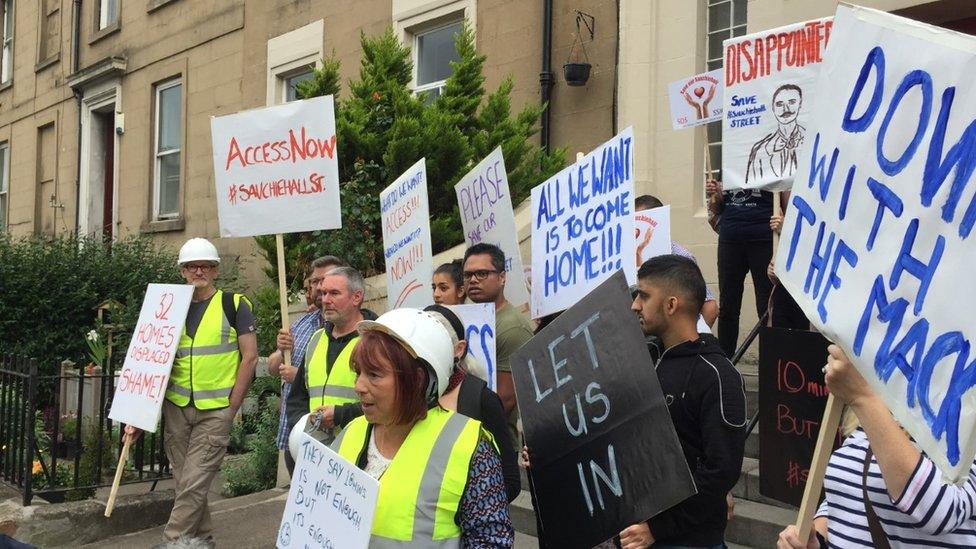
(267, 315)
(258, 470)
(49, 290)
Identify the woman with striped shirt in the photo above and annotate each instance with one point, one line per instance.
(911, 504)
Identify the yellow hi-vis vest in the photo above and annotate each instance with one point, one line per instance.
(327, 388)
(421, 490)
(206, 365)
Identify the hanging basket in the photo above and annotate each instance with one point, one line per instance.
(576, 74)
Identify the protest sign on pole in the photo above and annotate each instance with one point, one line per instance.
(769, 97)
(331, 502)
(479, 330)
(696, 100)
(875, 246)
(652, 233)
(145, 372)
(486, 210)
(603, 448)
(582, 222)
(276, 169)
(792, 397)
(406, 240)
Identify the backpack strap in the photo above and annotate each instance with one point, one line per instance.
(470, 393)
(230, 310)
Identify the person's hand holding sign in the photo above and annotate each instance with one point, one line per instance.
(637, 536)
(286, 343)
(132, 434)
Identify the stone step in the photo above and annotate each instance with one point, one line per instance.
(757, 524)
(747, 488)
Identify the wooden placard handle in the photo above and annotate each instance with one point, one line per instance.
(821, 455)
(283, 292)
(123, 455)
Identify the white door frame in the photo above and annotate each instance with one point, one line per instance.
(95, 98)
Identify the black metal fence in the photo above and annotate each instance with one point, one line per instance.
(56, 439)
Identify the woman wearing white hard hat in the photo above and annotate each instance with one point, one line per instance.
(403, 362)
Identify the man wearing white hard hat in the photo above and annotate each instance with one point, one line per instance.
(214, 366)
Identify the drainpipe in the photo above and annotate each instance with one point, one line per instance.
(75, 63)
(546, 78)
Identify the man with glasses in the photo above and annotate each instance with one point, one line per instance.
(211, 374)
(295, 341)
(484, 282)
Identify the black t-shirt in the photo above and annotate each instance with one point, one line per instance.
(245, 318)
(745, 217)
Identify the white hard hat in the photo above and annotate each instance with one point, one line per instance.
(423, 336)
(295, 436)
(198, 249)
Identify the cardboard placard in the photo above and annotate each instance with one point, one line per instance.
(144, 377)
(276, 169)
(769, 101)
(479, 331)
(652, 233)
(604, 450)
(330, 503)
(406, 240)
(792, 396)
(582, 219)
(696, 100)
(486, 210)
(877, 246)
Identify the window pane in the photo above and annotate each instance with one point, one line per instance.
(739, 12)
(169, 184)
(719, 16)
(291, 82)
(3, 212)
(716, 157)
(169, 118)
(8, 21)
(739, 31)
(714, 131)
(4, 175)
(435, 53)
(715, 50)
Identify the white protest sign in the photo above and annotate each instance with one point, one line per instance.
(696, 100)
(406, 240)
(486, 210)
(582, 222)
(769, 96)
(145, 372)
(330, 503)
(479, 331)
(652, 232)
(877, 243)
(276, 170)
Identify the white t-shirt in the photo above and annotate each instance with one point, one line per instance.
(376, 463)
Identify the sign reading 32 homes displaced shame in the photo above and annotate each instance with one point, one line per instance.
(145, 372)
(792, 397)
(276, 169)
(878, 244)
(582, 226)
(769, 98)
(603, 449)
(696, 100)
(405, 215)
(330, 504)
(485, 204)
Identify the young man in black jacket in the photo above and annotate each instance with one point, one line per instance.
(705, 396)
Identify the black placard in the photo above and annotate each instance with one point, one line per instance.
(604, 451)
(792, 397)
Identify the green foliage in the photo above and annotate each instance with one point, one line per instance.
(258, 469)
(382, 129)
(267, 315)
(49, 290)
(94, 464)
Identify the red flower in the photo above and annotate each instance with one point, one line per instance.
(376, 96)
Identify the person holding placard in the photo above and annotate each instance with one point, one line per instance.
(325, 379)
(882, 491)
(448, 284)
(211, 374)
(484, 282)
(469, 395)
(705, 397)
(295, 341)
(440, 477)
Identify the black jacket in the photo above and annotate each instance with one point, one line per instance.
(707, 401)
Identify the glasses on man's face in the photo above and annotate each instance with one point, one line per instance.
(478, 275)
(199, 268)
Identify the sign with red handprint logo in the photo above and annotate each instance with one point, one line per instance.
(696, 100)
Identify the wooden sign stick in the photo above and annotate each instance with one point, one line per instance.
(123, 455)
(815, 476)
(283, 292)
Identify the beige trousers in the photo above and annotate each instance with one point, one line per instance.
(196, 441)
